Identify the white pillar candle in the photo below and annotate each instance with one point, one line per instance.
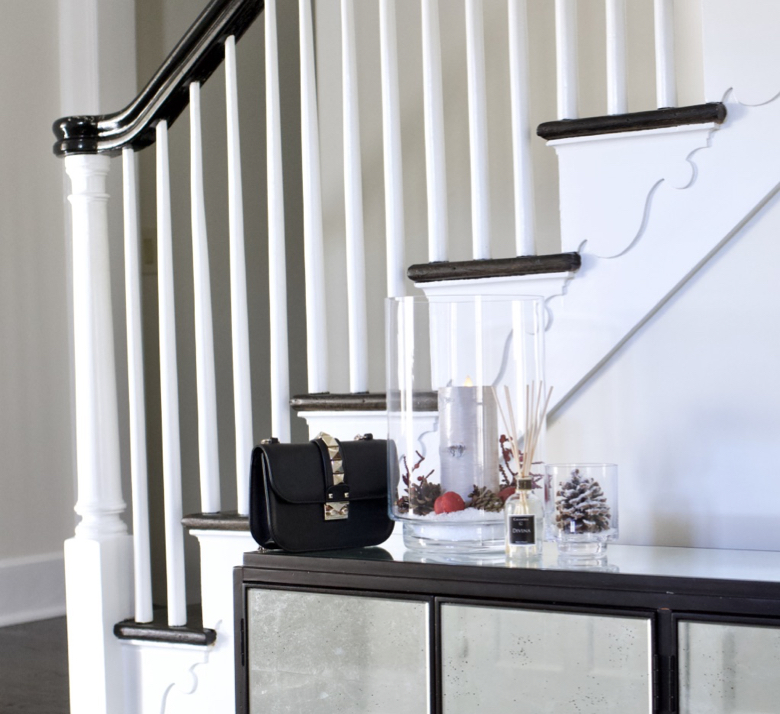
(468, 446)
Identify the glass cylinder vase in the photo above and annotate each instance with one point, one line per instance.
(458, 369)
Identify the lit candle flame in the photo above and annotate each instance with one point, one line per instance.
(468, 382)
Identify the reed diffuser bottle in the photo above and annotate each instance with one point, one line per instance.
(524, 516)
(524, 510)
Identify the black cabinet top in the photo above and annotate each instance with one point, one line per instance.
(654, 573)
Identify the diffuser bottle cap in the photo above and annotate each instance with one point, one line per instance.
(525, 484)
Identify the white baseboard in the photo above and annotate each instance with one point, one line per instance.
(32, 588)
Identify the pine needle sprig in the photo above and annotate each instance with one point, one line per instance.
(419, 496)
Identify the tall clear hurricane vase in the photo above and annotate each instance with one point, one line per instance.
(458, 373)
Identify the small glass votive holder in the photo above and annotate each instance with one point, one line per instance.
(581, 509)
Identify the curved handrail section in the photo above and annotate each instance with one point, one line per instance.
(194, 59)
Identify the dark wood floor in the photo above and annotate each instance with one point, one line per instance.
(34, 668)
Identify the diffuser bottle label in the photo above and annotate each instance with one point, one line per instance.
(522, 530)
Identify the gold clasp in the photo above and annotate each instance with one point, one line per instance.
(338, 511)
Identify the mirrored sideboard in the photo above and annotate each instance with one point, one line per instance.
(391, 631)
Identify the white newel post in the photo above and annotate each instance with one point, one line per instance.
(99, 558)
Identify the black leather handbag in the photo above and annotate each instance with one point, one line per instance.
(323, 495)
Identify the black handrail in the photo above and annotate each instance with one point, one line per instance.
(194, 59)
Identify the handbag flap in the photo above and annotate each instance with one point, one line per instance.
(300, 473)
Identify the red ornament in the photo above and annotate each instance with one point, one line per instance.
(449, 502)
(505, 493)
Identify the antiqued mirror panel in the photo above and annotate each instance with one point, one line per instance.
(507, 660)
(337, 654)
(728, 668)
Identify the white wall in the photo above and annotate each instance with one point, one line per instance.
(689, 408)
(36, 442)
(42, 77)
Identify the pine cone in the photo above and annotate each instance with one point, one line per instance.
(422, 496)
(581, 506)
(402, 504)
(485, 500)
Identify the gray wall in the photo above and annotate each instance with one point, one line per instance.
(36, 447)
(42, 76)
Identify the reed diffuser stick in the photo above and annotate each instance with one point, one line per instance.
(535, 415)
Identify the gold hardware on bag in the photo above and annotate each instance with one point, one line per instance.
(334, 454)
(338, 511)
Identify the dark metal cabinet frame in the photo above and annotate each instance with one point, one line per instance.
(665, 600)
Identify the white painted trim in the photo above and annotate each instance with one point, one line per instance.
(685, 224)
(346, 424)
(32, 588)
(97, 74)
(543, 284)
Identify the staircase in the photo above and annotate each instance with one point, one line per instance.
(641, 211)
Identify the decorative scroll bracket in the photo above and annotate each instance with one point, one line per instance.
(610, 210)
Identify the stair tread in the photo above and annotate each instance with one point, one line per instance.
(222, 521)
(633, 121)
(364, 401)
(158, 630)
(494, 267)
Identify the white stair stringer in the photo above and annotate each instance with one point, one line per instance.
(676, 226)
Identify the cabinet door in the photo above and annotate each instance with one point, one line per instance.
(323, 653)
(503, 659)
(727, 667)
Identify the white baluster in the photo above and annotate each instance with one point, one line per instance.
(313, 255)
(391, 122)
(353, 199)
(208, 449)
(239, 319)
(521, 133)
(169, 388)
(135, 387)
(277, 266)
(478, 143)
(566, 57)
(435, 161)
(617, 98)
(99, 559)
(665, 80)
